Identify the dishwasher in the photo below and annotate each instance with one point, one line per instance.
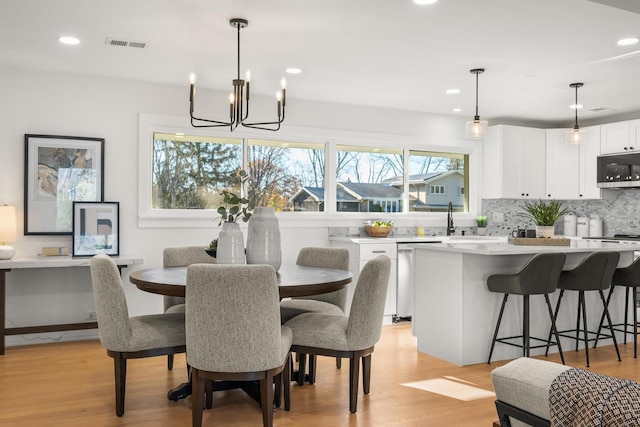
(405, 282)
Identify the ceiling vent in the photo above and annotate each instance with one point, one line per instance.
(125, 43)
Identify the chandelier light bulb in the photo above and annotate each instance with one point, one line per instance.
(247, 76)
(283, 83)
(192, 78)
(231, 98)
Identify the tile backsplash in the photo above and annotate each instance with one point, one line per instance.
(619, 215)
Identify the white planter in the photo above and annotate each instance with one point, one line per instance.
(263, 238)
(544, 231)
(230, 244)
(482, 231)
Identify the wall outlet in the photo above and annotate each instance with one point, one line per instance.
(91, 315)
(498, 217)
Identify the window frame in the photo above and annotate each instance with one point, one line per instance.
(190, 218)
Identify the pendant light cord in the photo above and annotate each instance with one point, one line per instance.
(477, 117)
(576, 126)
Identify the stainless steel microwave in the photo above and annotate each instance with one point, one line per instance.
(619, 170)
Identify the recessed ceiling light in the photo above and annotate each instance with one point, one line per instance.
(425, 2)
(293, 70)
(627, 42)
(576, 106)
(69, 40)
(452, 91)
(457, 110)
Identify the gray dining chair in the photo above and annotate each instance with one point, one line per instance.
(329, 303)
(181, 256)
(234, 333)
(352, 336)
(127, 337)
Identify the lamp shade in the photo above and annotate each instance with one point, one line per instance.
(7, 231)
(575, 136)
(476, 129)
(7, 224)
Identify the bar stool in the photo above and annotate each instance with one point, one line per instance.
(629, 278)
(538, 277)
(594, 273)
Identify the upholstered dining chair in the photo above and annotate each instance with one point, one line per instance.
(329, 303)
(234, 332)
(351, 337)
(178, 257)
(127, 337)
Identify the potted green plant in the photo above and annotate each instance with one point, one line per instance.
(544, 213)
(481, 222)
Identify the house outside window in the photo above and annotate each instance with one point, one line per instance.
(436, 189)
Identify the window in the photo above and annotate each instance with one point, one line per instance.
(190, 172)
(430, 173)
(369, 179)
(288, 176)
(436, 189)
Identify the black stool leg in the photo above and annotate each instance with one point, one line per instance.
(526, 345)
(635, 322)
(581, 304)
(495, 334)
(626, 313)
(613, 334)
(602, 318)
(553, 328)
(555, 316)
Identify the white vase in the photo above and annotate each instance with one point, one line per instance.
(263, 238)
(482, 231)
(544, 231)
(230, 244)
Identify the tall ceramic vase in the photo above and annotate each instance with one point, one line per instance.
(230, 244)
(263, 238)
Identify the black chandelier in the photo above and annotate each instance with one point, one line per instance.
(239, 98)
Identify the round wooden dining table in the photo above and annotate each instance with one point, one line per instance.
(293, 280)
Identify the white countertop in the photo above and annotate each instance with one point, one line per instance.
(61, 261)
(394, 239)
(477, 246)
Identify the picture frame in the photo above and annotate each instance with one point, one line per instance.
(96, 229)
(59, 170)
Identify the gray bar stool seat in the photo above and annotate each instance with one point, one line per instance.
(538, 277)
(594, 273)
(629, 278)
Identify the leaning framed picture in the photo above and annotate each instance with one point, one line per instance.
(96, 228)
(59, 170)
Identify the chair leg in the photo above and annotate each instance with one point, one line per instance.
(338, 362)
(198, 386)
(266, 400)
(170, 362)
(526, 342)
(366, 374)
(602, 317)
(277, 396)
(354, 373)
(613, 334)
(555, 316)
(208, 392)
(626, 312)
(554, 329)
(634, 298)
(286, 379)
(581, 305)
(302, 367)
(312, 368)
(495, 333)
(120, 371)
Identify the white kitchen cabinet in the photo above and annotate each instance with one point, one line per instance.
(514, 163)
(616, 138)
(571, 170)
(359, 254)
(634, 131)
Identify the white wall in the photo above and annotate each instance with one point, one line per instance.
(75, 105)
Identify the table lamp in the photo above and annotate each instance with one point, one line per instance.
(7, 231)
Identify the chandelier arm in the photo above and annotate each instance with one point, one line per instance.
(217, 123)
(261, 125)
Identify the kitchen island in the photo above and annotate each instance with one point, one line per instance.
(455, 314)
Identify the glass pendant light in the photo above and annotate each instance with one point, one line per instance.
(575, 136)
(476, 129)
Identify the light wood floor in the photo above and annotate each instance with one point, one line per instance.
(71, 384)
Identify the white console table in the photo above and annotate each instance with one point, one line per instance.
(47, 262)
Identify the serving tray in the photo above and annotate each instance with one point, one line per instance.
(539, 241)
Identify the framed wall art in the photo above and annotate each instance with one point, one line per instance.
(59, 170)
(96, 228)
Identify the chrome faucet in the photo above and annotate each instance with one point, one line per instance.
(450, 228)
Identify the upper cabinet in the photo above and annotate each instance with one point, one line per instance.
(571, 169)
(514, 163)
(618, 137)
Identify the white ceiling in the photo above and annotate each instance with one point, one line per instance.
(384, 53)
